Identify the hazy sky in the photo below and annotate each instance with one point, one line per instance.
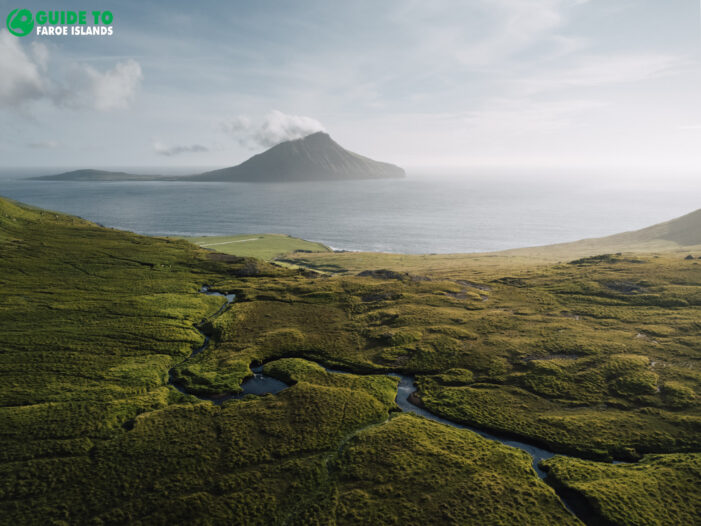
(508, 83)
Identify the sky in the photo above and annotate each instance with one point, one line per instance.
(607, 86)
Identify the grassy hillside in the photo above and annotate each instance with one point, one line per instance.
(449, 468)
(653, 491)
(684, 231)
(262, 246)
(680, 235)
(598, 357)
(91, 321)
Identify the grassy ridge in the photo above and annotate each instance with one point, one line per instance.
(456, 474)
(660, 489)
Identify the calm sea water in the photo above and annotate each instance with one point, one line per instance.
(415, 215)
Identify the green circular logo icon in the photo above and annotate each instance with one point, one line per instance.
(20, 22)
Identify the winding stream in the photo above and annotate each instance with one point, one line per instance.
(258, 384)
(261, 384)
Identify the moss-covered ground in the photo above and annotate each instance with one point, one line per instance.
(659, 490)
(598, 357)
(91, 432)
(457, 477)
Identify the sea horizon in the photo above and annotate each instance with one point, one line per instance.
(415, 215)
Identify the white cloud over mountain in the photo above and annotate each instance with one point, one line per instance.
(272, 129)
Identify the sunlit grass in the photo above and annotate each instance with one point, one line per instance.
(598, 357)
(263, 246)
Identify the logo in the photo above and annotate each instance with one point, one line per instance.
(20, 22)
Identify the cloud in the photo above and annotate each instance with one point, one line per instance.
(87, 87)
(115, 88)
(487, 34)
(524, 117)
(274, 128)
(25, 78)
(599, 70)
(44, 145)
(21, 72)
(169, 151)
(519, 24)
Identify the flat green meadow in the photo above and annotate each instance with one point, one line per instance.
(261, 246)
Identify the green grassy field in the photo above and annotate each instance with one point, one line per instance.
(262, 246)
(550, 354)
(656, 490)
(598, 357)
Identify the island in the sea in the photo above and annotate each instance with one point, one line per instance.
(316, 157)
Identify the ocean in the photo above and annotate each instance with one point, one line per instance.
(414, 215)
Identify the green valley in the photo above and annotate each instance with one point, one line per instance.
(596, 357)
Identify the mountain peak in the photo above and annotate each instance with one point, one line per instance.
(320, 137)
(315, 157)
(317, 135)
